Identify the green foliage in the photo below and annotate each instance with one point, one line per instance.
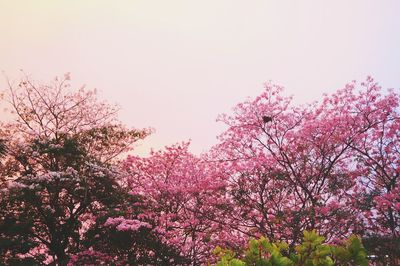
(311, 252)
(227, 257)
(351, 253)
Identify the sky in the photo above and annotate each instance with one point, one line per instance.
(175, 65)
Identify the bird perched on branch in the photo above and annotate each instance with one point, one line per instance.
(267, 119)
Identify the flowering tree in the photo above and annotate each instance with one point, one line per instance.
(371, 119)
(59, 170)
(377, 156)
(287, 169)
(312, 167)
(180, 191)
(278, 170)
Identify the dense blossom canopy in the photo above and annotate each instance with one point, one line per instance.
(277, 171)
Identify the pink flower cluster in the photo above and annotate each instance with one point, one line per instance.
(123, 224)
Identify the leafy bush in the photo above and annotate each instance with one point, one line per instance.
(312, 251)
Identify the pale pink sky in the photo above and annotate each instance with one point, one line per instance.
(175, 65)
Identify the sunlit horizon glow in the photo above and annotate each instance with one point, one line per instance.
(175, 65)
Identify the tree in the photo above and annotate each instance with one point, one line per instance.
(62, 150)
(288, 174)
(180, 192)
(332, 166)
(279, 170)
(377, 156)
